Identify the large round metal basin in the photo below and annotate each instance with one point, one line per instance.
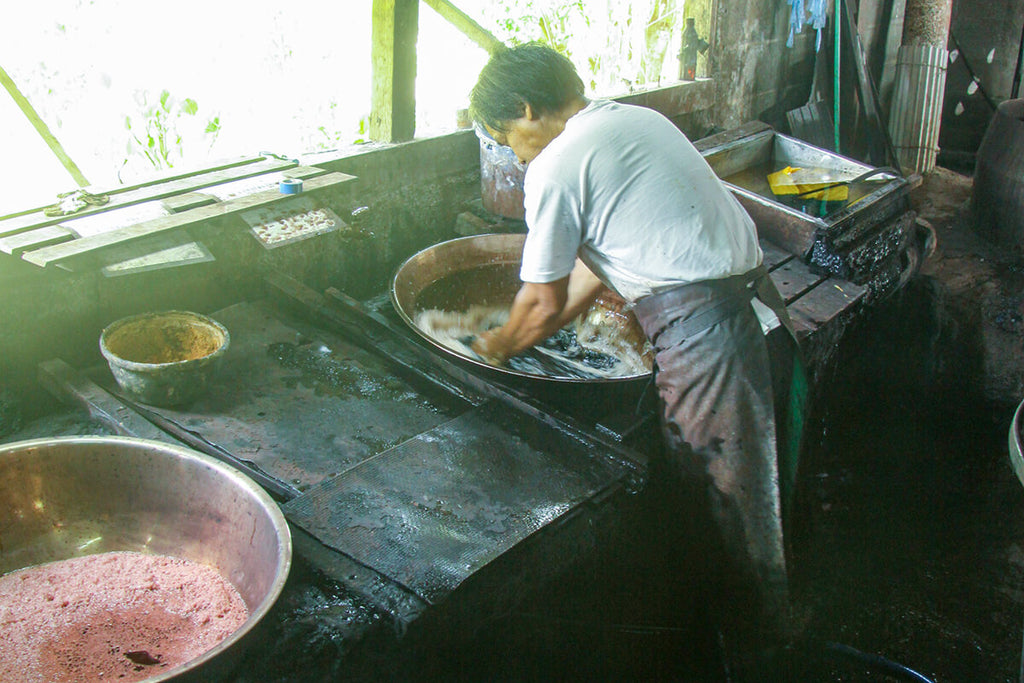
(67, 497)
(1016, 447)
(481, 270)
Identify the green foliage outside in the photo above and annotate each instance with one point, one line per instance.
(617, 45)
(155, 131)
(293, 90)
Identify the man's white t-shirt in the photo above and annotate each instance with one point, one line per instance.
(622, 188)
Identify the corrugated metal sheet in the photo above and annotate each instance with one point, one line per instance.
(916, 112)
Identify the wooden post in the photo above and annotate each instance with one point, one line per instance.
(393, 53)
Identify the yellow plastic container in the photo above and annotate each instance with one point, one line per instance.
(804, 181)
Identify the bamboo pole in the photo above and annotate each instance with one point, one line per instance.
(44, 131)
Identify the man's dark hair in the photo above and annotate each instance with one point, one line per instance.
(533, 74)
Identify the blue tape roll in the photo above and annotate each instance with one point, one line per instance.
(290, 186)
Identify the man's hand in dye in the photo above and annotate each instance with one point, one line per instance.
(491, 347)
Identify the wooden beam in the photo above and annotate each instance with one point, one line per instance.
(86, 252)
(393, 57)
(35, 239)
(44, 131)
(460, 20)
(31, 221)
(74, 388)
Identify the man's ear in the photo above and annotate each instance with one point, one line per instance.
(528, 112)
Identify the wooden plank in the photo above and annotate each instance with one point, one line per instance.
(830, 299)
(793, 279)
(189, 200)
(469, 28)
(35, 239)
(129, 419)
(70, 386)
(393, 57)
(706, 144)
(774, 256)
(893, 40)
(193, 200)
(302, 172)
(84, 252)
(154, 179)
(150, 193)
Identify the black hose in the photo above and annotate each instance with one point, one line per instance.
(861, 178)
(1018, 73)
(878, 662)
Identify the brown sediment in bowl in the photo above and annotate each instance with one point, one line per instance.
(164, 338)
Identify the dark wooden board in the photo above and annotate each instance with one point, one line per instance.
(793, 279)
(774, 256)
(74, 388)
(827, 301)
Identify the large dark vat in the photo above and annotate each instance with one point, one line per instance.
(997, 200)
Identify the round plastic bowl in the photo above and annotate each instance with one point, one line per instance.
(166, 358)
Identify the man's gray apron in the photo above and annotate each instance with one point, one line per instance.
(715, 382)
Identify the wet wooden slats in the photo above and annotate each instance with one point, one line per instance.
(813, 301)
(774, 256)
(794, 279)
(827, 303)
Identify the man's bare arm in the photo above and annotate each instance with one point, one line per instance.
(538, 311)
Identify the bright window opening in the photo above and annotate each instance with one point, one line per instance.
(133, 88)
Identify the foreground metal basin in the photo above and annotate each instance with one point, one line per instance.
(68, 497)
(479, 270)
(1016, 448)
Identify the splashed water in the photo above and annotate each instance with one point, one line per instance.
(589, 349)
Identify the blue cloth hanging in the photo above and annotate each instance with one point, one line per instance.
(811, 12)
